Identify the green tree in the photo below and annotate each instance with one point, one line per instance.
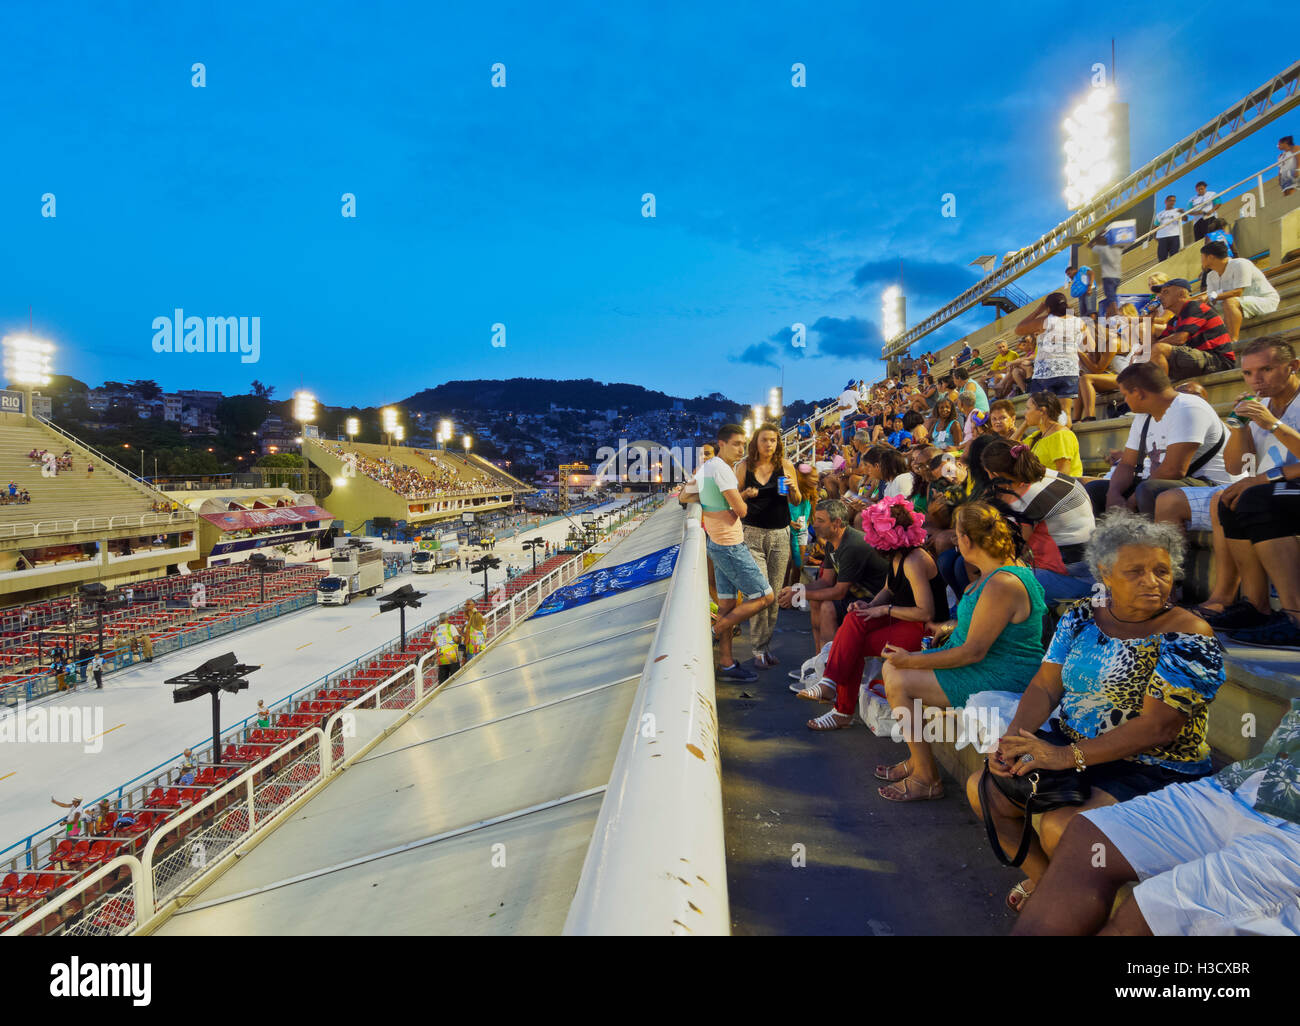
(146, 388)
(240, 415)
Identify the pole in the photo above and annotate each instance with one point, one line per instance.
(402, 613)
(485, 586)
(216, 727)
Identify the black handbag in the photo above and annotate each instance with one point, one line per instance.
(1035, 792)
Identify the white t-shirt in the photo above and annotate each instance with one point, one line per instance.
(721, 524)
(1058, 347)
(901, 485)
(1202, 205)
(1109, 259)
(1269, 452)
(1189, 418)
(1168, 220)
(1240, 274)
(849, 399)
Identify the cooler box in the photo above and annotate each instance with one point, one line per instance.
(1121, 233)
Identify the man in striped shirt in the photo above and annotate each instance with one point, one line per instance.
(1196, 341)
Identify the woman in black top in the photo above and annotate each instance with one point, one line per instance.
(914, 595)
(768, 485)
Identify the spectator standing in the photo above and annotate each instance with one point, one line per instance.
(1080, 289)
(1201, 207)
(72, 821)
(734, 570)
(146, 646)
(1060, 337)
(129, 593)
(263, 714)
(768, 485)
(1169, 234)
(84, 655)
(1236, 287)
(1109, 259)
(1288, 160)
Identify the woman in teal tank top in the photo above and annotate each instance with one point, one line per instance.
(996, 646)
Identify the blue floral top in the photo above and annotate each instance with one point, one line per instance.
(1106, 680)
(1278, 770)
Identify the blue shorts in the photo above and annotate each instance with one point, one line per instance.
(1062, 388)
(734, 571)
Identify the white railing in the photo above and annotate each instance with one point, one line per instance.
(657, 863)
(108, 914)
(72, 525)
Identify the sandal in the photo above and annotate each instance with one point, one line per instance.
(903, 791)
(898, 771)
(1017, 897)
(817, 692)
(831, 720)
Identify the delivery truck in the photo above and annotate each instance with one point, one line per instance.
(354, 569)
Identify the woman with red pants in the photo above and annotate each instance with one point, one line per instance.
(914, 594)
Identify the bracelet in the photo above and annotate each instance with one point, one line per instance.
(1079, 763)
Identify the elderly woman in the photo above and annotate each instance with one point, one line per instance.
(914, 595)
(997, 645)
(1134, 678)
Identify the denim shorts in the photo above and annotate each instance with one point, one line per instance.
(734, 571)
(1062, 388)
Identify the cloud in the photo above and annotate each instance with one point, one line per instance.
(919, 278)
(760, 354)
(847, 338)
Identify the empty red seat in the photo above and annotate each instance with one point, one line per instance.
(155, 798)
(8, 885)
(79, 853)
(25, 886)
(62, 852)
(171, 800)
(47, 883)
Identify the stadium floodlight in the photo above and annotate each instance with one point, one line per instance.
(775, 403)
(892, 312)
(389, 416)
(748, 426)
(758, 416)
(399, 433)
(27, 360)
(304, 407)
(466, 441)
(222, 673)
(1089, 145)
(339, 482)
(352, 428)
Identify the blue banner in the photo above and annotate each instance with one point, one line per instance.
(601, 584)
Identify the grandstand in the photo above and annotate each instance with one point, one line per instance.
(78, 526)
(435, 485)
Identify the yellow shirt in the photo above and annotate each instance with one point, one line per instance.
(1002, 359)
(1060, 445)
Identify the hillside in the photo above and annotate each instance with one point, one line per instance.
(535, 395)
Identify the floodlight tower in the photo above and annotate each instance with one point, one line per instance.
(27, 365)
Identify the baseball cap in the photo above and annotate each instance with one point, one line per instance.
(1181, 283)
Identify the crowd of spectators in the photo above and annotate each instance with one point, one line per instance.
(411, 483)
(925, 499)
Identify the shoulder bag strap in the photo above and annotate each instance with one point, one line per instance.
(994, 841)
(1213, 451)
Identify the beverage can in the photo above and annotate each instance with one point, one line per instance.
(927, 643)
(1236, 420)
(783, 486)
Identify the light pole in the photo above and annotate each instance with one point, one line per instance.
(352, 428)
(444, 433)
(304, 412)
(484, 564)
(388, 418)
(533, 544)
(27, 364)
(224, 673)
(466, 441)
(403, 598)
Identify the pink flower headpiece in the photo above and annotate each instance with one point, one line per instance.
(883, 533)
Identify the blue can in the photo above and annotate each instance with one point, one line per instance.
(927, 643)
(783, 485)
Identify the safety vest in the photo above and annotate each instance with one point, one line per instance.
(444, 639)
(475, 641)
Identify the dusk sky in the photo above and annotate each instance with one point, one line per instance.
(523, 205)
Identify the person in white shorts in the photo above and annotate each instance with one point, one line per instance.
(1217, 857)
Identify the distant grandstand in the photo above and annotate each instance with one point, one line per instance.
(406, 484)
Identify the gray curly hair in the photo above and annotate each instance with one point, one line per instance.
(1119, 528)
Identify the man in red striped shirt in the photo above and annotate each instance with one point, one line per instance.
(1196, 341)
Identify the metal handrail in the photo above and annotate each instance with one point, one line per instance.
(153, 493)
(1206, 142)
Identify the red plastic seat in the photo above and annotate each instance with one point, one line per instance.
(62, 852)
(155, 798)
(47, 883)
(25, 886)
(143, 823)
(8, 885)
(172, 800)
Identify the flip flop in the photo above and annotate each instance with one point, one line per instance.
(892, 773)
(1018, 891)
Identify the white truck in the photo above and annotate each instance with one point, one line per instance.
(440, 552)
(353, 570)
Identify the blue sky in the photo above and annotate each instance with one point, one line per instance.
(522, 205)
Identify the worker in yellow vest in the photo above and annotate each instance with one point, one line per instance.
(475, 630)
(446, 639)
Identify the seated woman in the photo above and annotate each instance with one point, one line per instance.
(1055, 445)
(997, 643)
(1061, 504)
(1098, 371)
(1133, 678)
(914, 595)
(947, 425)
